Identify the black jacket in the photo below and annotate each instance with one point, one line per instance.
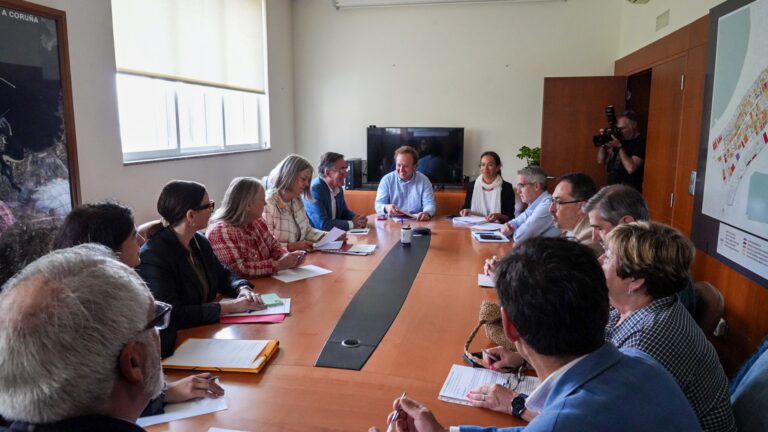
(172, 279)
(507, 198)
(78, 424)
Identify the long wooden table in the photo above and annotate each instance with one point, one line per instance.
(415, 355)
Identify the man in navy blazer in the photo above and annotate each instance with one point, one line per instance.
(329, 210)
(554, 308)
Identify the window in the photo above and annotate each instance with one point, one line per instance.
(190, 77)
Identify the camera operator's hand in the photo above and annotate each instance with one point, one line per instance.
(614, 143)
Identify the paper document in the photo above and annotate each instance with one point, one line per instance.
(359, 231)
(283, 308)
(488, 227)
(329, 246)
(331, 236)
(462, 379)
(271, 299)
(469, 220)
(362, 248)
(178, 411)
(485, 281)
(490, 237)
(220, 353)
(299, 273)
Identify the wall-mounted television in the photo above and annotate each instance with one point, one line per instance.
(441, 152)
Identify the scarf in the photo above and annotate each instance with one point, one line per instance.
(483, 193)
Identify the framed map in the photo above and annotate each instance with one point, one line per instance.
(731, 219)
(38, 159)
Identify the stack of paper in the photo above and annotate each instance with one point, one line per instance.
(331, 237)
(356, 249)
(462, 379)
(490, 226)
(469, 220)
(222, 355)
(275, 312)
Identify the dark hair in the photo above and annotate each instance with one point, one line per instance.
(21, 244)
(630, 115)
(107, 223)
(554, 292)
(177, 197)
(408, 150)
(327, 161)
(616, 201)
(582, 185)
(492, 154)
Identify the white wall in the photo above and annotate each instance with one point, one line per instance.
(102, 174)
(480, 66)
(638, 22)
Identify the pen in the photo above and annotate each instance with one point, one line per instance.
(491, 357)
(213, 378)
(394, 416)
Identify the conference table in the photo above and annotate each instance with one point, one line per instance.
(415, 355)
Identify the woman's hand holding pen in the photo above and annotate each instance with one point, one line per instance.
(192, 387)
(499, 357)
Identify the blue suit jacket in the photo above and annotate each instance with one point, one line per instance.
(319, 211)
(611, 390)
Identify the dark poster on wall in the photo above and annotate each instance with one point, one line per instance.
(38, 165)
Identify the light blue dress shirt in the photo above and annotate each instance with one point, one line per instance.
(413, 196)
(535, 221)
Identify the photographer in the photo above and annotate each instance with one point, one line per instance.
(623, 155)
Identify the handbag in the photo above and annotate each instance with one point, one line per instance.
(490, 317)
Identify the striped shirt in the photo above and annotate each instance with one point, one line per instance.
(249, 251)
(665, 331)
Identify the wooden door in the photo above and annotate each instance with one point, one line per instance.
(573, 112)
(664, 126)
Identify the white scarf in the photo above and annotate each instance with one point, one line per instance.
(483, 193)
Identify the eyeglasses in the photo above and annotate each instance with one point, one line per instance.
(515, 379)
(162, 317)
(211, 205)
(556, 202)
(342, 169)
(522, 185)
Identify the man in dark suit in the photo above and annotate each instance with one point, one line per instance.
(328, 209)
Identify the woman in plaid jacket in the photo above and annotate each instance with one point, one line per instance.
(240, 237)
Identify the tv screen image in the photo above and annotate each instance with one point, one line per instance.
(441, 152)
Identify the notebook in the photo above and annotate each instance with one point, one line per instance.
(462, 379)
(228, 355)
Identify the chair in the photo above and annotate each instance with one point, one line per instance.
(710, 306)
(749, 392)
(148, 229)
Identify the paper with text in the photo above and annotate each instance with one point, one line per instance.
(462, 379)
(219, 353)
(178, 411)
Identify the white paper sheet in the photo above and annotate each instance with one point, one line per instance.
(178, 411)
(485, 281)
(299, 273)
(284, 308)
(329, 246)
(469, 220)
(332, 236)
(220, 353)
(362, 248)
(462, 379)
(488, 227)
(359, 231)
(490, 237)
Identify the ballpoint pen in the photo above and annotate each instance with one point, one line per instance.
(390, 427)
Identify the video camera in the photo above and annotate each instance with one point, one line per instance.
(609, 132)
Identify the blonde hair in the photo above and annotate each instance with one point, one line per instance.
(240, 193)
(655, 252)
(283, 175)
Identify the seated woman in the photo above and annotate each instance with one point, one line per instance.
(180, 268)
(285, 214)
(111, 224)
(489, 195)
(240, 237)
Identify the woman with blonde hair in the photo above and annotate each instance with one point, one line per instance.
(284, 213)
(240, 237)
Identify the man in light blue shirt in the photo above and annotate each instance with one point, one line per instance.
(405, 190)
(536, 220)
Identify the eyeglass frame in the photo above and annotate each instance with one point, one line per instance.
(559, 204)
(162, 318)
(522, 185)
(211, 205)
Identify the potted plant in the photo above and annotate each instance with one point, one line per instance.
(531, 156)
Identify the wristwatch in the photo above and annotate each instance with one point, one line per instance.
(518, 405)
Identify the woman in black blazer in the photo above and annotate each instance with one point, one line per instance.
(489, 195)
(180, 268)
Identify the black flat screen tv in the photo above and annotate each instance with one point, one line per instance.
(441, 152)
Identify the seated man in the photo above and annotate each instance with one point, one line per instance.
(749, 392)
(406, 190)
(619, 204)
(554, 308)
(568, 201)
(92, 318)
(329, 209)
(536, 220)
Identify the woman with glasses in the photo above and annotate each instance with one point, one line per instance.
(180, 268)
(284, 213)
(489, 195)
(240, 237)
(111, 224)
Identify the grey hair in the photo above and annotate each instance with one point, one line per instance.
(534, 174)
(240, 193)
(287, 170)
(616, 201)
(63, 321)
